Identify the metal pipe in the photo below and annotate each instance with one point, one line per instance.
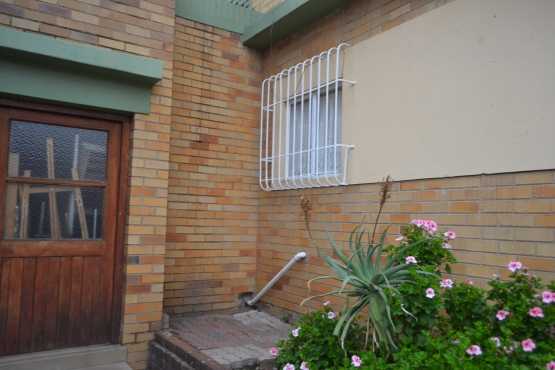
(296, 258)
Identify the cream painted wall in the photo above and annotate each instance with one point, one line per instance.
(467, 88)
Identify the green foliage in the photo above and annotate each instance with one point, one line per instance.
(316, 344)
(430, 249)
(471, 321)
(365, 282)
(412, 311)
(431, 333)
(518, 296)
(449, 352)
(466, 303)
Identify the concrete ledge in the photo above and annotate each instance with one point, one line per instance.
(138, 67)
(66, 359)
(286, 18)
(217, 13)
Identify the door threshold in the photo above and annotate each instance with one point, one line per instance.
(67, 359)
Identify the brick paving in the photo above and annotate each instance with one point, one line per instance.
(238, 341)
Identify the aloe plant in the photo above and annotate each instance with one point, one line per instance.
(364, 283)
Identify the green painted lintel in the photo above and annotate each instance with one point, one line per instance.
(53, 81)
(51, 69)
(141, 68)
(286, 18)
(217, 13)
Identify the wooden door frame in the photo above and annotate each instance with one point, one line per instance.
(119, 277)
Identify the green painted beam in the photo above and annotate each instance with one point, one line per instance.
(51, 69)
(217, 13)
(286, 18)
(142, 68)
(60, 82)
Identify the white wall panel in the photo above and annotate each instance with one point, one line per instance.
(467, 88)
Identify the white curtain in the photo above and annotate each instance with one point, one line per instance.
(311, 149)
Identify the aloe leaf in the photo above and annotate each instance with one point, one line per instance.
(323, 277)
(336, 249)
(348, 323)
(384, 235)
(333, 292)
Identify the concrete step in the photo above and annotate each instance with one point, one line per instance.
(68, 359)
(118, 366)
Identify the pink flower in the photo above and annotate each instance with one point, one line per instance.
(417, 223)
(400, 238)
(548, 297)
(410, 260)
(550, 365)
(447, 246)
(356, 361)
(331, 315)
(446, 283)
(497, 341)
(289, 366)
(304, 366)
(474, 350)
(502, 315)
(326, 303)
(450, 235)
(430, 293)
(430, 226)
(469, 282)
(274, 351)
(536, 312)
(528, 345)
(514, 266)
(295, 332)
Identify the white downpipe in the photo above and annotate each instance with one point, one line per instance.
(296, 258)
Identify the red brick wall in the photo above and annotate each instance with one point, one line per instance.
(213, 193)
(144, 27)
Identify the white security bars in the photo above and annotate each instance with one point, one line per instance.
(300, 125)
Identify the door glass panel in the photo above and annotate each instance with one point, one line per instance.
(53, 212)
(57, 152)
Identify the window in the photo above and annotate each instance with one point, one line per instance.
(312, 135)
(300, 127)
(56, 179)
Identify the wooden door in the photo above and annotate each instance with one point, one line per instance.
(58, 226)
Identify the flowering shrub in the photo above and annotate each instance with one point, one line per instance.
(417, 303)
(512, 326)
(422, 241)
(465, 303)
(442, 324)
(416, 307)
(312, 345)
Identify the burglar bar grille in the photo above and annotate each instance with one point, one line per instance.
(300, 125)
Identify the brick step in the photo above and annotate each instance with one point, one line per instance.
(169, 352)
